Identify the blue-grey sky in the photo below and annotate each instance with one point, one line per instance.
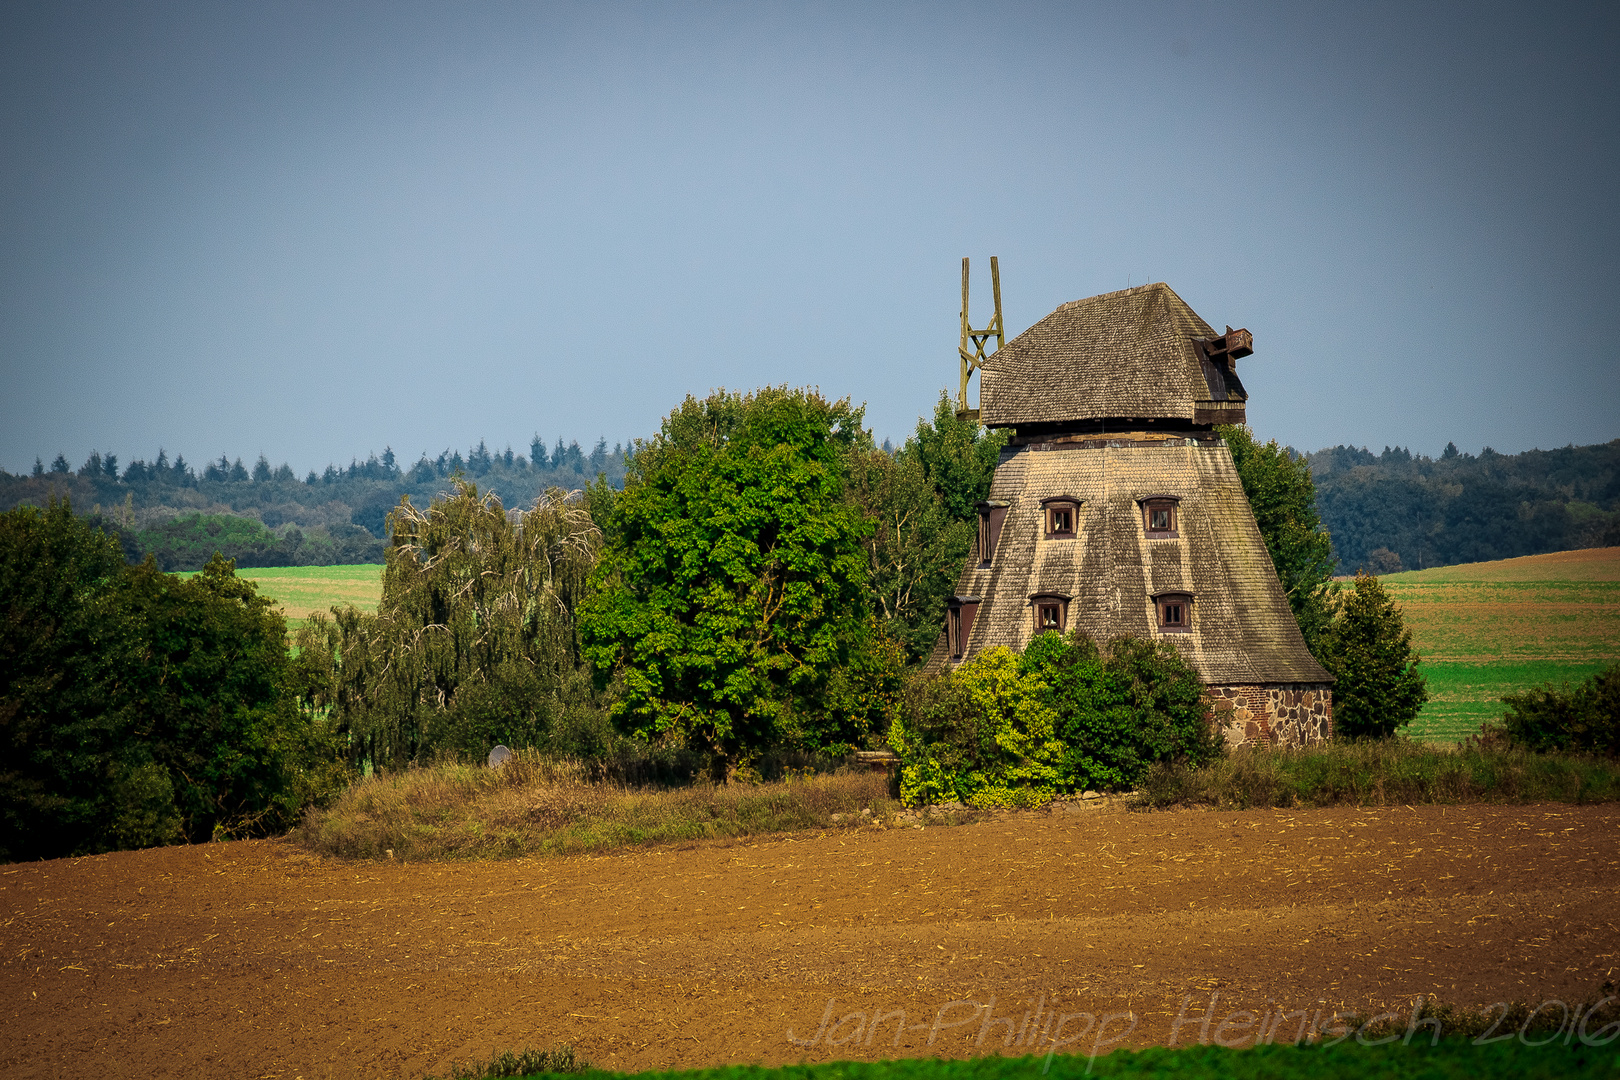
(313, 230)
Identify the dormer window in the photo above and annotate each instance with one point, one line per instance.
(1175, 612)
(1062, 517)
(1051, 612)
(992, 513)
(959, 623)
(1159, 513)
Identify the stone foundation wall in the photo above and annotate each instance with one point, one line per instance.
(1281, 714)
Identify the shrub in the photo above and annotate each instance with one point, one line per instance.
(1583, 719)
(1005, 729)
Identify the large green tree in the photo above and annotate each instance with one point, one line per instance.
(731, 604)
(1283, 497)
(137, 708)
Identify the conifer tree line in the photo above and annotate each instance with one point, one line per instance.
(1398, 510)
(1383, 512)
(267, 516)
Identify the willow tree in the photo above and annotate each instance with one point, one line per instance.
(473, 642)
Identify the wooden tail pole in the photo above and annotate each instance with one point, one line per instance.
(977, 339)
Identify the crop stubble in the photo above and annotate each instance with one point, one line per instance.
(255, 959)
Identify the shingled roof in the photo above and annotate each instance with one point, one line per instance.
(1127, 354)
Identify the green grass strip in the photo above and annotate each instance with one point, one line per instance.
(1450, 1060)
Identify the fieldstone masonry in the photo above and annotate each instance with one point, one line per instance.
(1281, 714)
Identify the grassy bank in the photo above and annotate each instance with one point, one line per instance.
(532, 805)
(1394, 772)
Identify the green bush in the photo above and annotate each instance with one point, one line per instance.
(1583, 719)
(1005, 729)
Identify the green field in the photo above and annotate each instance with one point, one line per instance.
(302, 590)
(1488, 629)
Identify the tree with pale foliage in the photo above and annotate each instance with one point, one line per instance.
(473, 642)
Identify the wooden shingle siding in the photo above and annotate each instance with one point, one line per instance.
(1242, 630)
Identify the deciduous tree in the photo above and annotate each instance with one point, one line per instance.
(733, 585)
(473, 642)
(137, 708)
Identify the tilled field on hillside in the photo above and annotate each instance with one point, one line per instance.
(258, 960)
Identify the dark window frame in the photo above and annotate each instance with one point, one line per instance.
(992, 515)
(959, 624)
(1042, 603)
(1061, 509)
(1161, 504)
(1174, 612)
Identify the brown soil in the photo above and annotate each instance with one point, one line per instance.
(258, 960)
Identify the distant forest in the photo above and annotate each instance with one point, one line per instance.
(266, 516)
(1398, 510)
(1390, 511)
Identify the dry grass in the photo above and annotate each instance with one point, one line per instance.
(533, 805)
(1392, 772)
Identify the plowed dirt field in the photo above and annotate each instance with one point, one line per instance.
(257, 960)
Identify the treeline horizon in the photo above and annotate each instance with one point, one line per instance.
(266, 516)
(1403, 511)
(1385, 512)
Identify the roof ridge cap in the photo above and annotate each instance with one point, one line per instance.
(1117, 292)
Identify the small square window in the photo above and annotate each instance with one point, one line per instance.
(1062, 517)
(1051, 612)
(1175, 611)
(1159, 516)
